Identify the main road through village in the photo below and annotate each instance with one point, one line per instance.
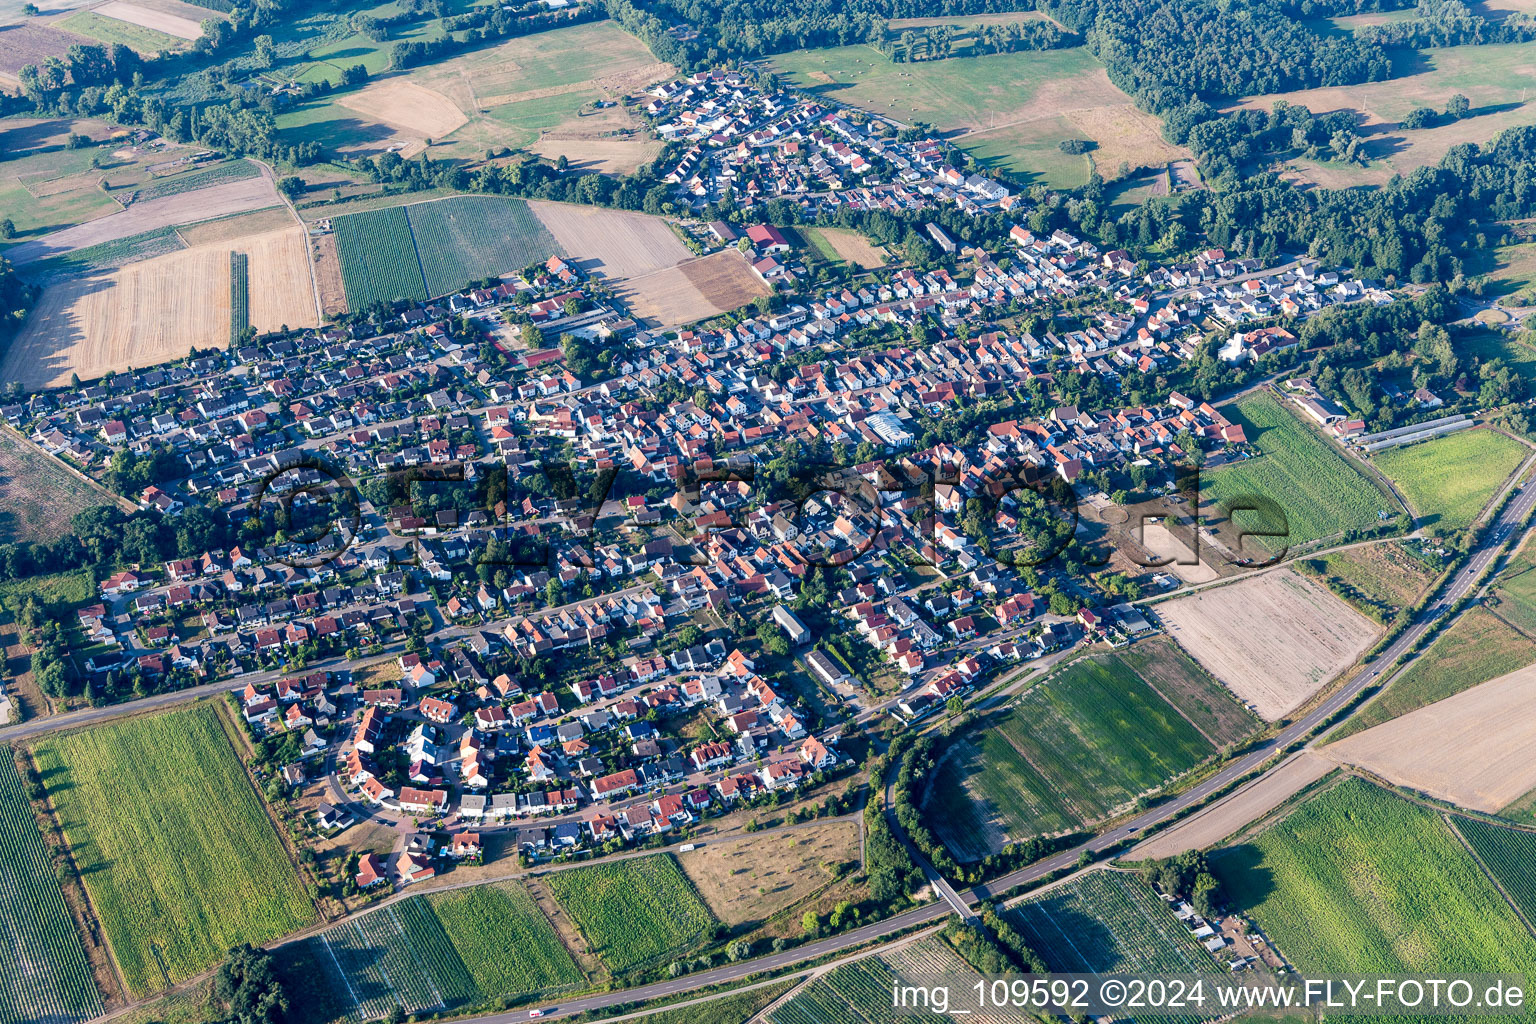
(1492, 544)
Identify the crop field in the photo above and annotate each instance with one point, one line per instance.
(507, 945)
(1010, 110)
(1088, 740)
(147, 41)
(1317, 489)
(1477, 647)
(1110, 922)
(1449, 480)
(1358, 881)
(1507, 855)
(378, 257)
(1428, 749)
(46, 976)
(1273, 639)
(1516, 596)
(860, 992)
(1497, 79)
(184, 21)
(632, 912)
(694, 290)
(239, 295)
(37, 494)
(1375, 579)
(842, 244)
(165, 826)
(473, 237)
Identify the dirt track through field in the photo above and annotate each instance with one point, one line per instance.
(1476, 749)
(1274, 639)
(186, 208)
(1246, 805)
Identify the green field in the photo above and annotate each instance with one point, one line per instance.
(147, 41)
(38, 494)
(860, 992)
(1320, 493)
(378, 257)
(428, 954)
(505, 941)
(1476, 648)
(1110, 922)
(633, 912)
(432, 249)
(46, 976)
(474, 237)
(192, 181)
(1359, 881)
(1508, 854)
(1450, 479)
(53, 189)
(172, 843)
(1522, 810)
(1089, 739)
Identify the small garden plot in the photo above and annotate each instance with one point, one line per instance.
(1359, 881)
(46, 975)
(632, 912)
(1450, 479)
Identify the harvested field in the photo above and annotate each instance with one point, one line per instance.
(613, 243)
(38, 493)
(402, 104)
(692, 291)
(240, 225)
(282, 292)
(1476, 749)
(1244, 806)
(159, 309)
(848, 245)
(1274, 639)
(171, 24)
(747, 880)
(240, 196)
(607, 156)
(333, 294)
(31, 43)
(147, 41)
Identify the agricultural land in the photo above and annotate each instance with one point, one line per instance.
(1010, 110)
(748, 880)
(1274, 639)
(1477, 647)
(1428, 749)
(172, 842)
(1091, 738)
(861, 991)
(1507, 855)
(1377, 580)
(1359, 881)
(38, 494)
(633, 912)
(1449, 480)
(46, 974)
(1320, 493)
(693, 290)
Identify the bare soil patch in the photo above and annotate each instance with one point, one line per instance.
(613, 243)
(404, 105)
(692, 291)
(170, 211)
(31, 43)
(169, 22)
(1274, 639)
(1476, 749)
(1161, 543)
(333, 295)
(750, 879)
(1244, 806)
(610, 156)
